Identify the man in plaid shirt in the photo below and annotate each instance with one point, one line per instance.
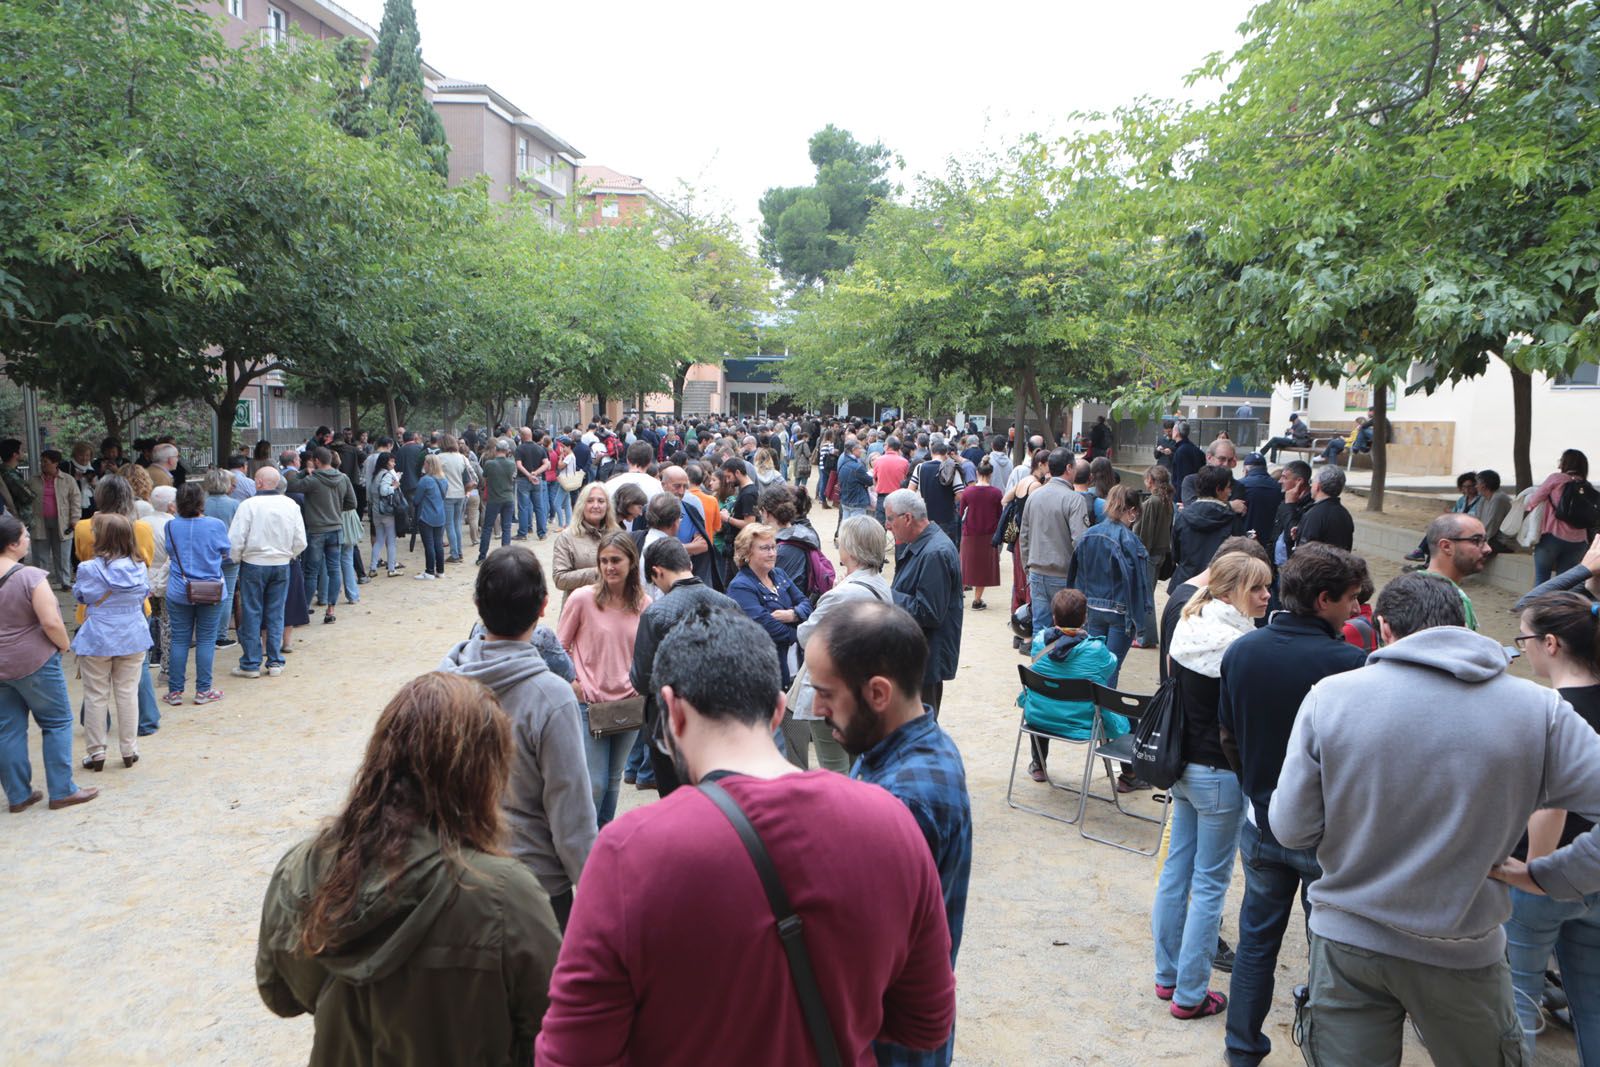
(866, 667)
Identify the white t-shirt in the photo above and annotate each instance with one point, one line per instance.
(652, 488)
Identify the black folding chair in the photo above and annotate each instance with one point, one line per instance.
(1069, 689)
(1133, 706)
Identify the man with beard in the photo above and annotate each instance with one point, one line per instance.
(866, 668)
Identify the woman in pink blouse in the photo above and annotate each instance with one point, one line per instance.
(598, 626)
(1561, 544)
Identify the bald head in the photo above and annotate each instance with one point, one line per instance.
(267, 479)
(675, 480)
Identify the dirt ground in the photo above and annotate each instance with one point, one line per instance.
(132, 926)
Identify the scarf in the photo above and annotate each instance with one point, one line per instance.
(1199, 641)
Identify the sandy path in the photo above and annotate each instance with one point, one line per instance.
(132, 925)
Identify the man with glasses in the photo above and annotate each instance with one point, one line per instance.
(1458, 547)
(927, 583)
(1219, 454)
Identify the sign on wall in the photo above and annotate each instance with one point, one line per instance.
(244, 414)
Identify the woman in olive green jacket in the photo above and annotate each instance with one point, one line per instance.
(402, 927)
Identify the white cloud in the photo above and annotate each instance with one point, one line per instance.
(725, 94)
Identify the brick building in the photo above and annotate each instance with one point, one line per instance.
(613, 198)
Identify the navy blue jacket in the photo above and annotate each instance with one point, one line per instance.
(1265, 676)
(1262, 495)
(1187, 457)
(855, 483)
(927, 583)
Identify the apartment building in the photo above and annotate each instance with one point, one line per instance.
(490, 135)
(613, 198)
(245, 22)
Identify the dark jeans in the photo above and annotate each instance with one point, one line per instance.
(561, 904)
(530, 507)
(1270, 449)
(933, 696)
(491, 512)
(322, 566)
(432, 548)
(1113, 627)
(1273, 877)
(1552, 556)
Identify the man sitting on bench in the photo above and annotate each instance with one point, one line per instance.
(1298, 436)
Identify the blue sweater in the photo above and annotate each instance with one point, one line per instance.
(428, 499)
(202, 547)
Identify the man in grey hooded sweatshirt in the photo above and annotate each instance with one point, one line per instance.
(1413, 778)
(548, 804)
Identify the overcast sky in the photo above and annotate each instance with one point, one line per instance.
(725, 94)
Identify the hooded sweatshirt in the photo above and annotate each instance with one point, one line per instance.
(448, 963)
(1197, 532)
(113, 591)
(1417, 773)
(548, 805)
(328, 495)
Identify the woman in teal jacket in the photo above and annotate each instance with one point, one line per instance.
(1066, 650)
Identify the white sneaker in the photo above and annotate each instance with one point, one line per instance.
(273, 672)
(421, 577)
(240, 672)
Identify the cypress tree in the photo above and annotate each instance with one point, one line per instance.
(397, 81)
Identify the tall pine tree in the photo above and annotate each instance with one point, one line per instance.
(397, 82)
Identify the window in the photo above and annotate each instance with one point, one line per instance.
(522, 155)
(236, 8)
(277, 31)
(1587, 374)
(610, 209)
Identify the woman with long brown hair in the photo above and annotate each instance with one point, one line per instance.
(598, 627)
(404, 921)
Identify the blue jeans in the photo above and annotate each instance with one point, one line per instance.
(560, 501)
(530, 506)
(262, 591)
(1207, 807)
(149, 710)
(1273, 877)
(193, 626)
(347, 568)
(230, 583)
(606, 756)
(322, 566)
(639, 760)
(1552, 555)
(493, 511)
(1041, 587)
(453, 510)
(1571, 929)
(432, 548)
(1113, 626)
(44, 693)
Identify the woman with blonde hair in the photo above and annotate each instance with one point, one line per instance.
(767, 472)
(598, 627)
(455, 471)
(768, 595)
(408, 898)
(430, 515)
(1207, 802)
(111, 643)
(575, 554)
(138, 480)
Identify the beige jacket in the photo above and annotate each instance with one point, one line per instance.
(69, 504)
(573, 558)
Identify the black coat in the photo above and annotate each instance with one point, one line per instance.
(1327, 521)
(927, 583)
(681, 601)
(1197, 532)
(1187, 458)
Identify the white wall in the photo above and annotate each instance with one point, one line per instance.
(1563, 417)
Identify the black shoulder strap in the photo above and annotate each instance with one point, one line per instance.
(15, 567)
(790, 930)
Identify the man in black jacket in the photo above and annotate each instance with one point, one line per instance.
(1187, 458)
(1295, 479)
(1262, 498)
(1199, 529)
(666, 562)
(1265, 676)
(1326, 520)
(927, 583)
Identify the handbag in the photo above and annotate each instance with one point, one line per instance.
(1158, 739)
(791, 930)
(571, 481)
(203, 591)
(607, 717)
(402, 513)
(1010, 527)
(351, 531)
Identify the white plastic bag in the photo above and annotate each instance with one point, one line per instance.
(1528, 536)
(1516, 516)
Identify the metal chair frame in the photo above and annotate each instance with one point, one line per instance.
(1133, 706)
(1073, 689)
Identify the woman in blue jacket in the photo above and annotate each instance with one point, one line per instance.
(1112, 568)
(197, 549)
(429, 504)
(768, 595)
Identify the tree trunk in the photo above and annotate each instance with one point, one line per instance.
(355, 413)
(535, 392)
(680, 375)
(224, 410)
(1019, 440)
(391, 412)
(1521, 426)
(111, 416)
(600, 401)
(1380, 444)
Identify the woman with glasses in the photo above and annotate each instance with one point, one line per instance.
(1561, 638)
(768, 595)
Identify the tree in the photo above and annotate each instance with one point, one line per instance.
(809, 231)
(397, 85)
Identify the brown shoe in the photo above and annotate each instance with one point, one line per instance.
(82, 796)
(33, 798)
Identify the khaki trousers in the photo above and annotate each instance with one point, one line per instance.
(1360, 999)
(111, 683)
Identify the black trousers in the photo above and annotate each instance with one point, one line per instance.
(933, 696)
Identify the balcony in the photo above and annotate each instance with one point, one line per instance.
(547, 180)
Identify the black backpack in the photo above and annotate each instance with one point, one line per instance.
(1579, 505)
(1158, 739)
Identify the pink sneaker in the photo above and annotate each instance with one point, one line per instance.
(174, 698)
(208, 696)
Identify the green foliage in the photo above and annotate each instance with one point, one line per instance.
(809, 231)
(397, 85)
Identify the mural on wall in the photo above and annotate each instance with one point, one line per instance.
(1357, 394)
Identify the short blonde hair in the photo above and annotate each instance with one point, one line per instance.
(433, 466)
(138, 480)
(1234, 573)
(745, 543)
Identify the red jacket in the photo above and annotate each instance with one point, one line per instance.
(672, 957)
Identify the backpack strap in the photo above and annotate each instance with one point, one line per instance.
(790, 928)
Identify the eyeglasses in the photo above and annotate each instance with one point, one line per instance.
(1477, 539)
(1524, 637)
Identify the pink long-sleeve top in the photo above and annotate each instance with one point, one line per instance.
(600, 642)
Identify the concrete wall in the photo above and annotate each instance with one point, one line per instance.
(1480, 413)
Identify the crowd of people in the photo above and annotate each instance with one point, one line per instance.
(705, 645)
